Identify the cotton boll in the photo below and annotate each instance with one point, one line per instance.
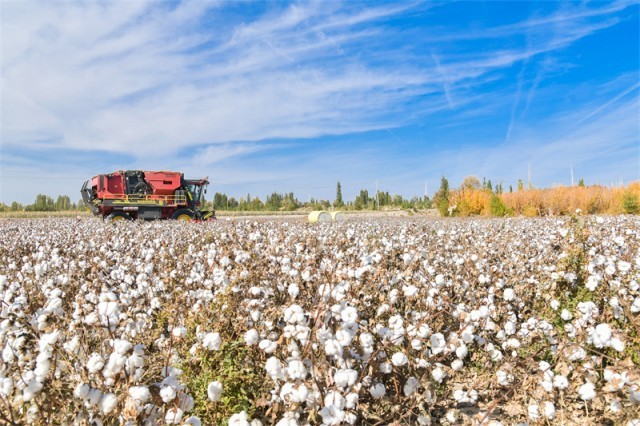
(174, 416)
(617, 344)
(251, 337)
(273, 367)
(108, 402)
(334, 398)
(549, 410)
(351, 400)
(140, 393)
(560, 382)
(587, 391)
(399, 359)
(509, 294)
(534, 412)
(345, 377)
(167, 393)
(179, 332)
(385, 368)
(212, 341)
(457, 364)
(293, 290)
(193, 421)
(81, 391)
(411, 386)
(268, 346)
(377, 391)
(296, 370)
(214, 391)
(462, 351)
(95, 363)
(566, 315)
(601, 335)
(438, 374)
(6, 386)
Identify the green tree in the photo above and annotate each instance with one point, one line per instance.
(581, 182)
(520, 185)
(441, 197)
(630, 203)
(497, 207)
(338, 202)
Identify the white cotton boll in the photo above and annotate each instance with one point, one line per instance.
(33, 388)
(251, 337)
(333, 348)
(438, 343)
(268, 346)
(214, 391)
(566, 315)
(366, 340)
(438, 374)
(349, 315)
(617, 344)
(549, 410)
(534, 412)
(331, 415)
(81, 391)
(239, 419)
(212, 341)
(296, 370)
(399, 359)
(555, 305)
(6, 386)
(293, 290)
(508, 294)
(273, 367)
(345, 377)
(457, 364)
(601, 335)
(351, 400)
(544, 365)
(167, 393)
(174, 416)
(410, 291)
(140, 393)
(587, 391)
(416, 344)
(94, 396)
(344, 337)
(560, 382)
(179, 332)
(108, 402)
(122, 346)
(439, 279)
(504, 378)
(462, 351)
(95, 363)
(334, 398)
(377, 391)
(577, 354)
(385, 368)
(410, 386)
(193, 421)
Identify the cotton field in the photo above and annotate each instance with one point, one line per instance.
(371, 321)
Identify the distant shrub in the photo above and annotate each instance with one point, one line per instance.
(630, 203)
(497, 207)
(530, 211)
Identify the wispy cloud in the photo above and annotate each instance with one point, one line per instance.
(196, 84)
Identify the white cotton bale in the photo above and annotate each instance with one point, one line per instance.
(338, 216)
(319, 216)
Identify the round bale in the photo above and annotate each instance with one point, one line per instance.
(319, 216)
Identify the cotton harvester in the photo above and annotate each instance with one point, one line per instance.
(136, 194)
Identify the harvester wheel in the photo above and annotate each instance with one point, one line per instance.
(183, 214)
(116, 216)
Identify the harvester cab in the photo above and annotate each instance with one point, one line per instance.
(147, 195)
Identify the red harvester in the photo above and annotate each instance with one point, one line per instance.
(136, 194)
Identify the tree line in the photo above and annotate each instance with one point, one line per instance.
(472, 198)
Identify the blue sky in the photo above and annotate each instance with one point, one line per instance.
(294, 96)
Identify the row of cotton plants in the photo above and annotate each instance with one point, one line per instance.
(375, 321)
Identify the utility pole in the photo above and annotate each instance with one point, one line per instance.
(571, 174)
(426, 189)
(377, 196)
